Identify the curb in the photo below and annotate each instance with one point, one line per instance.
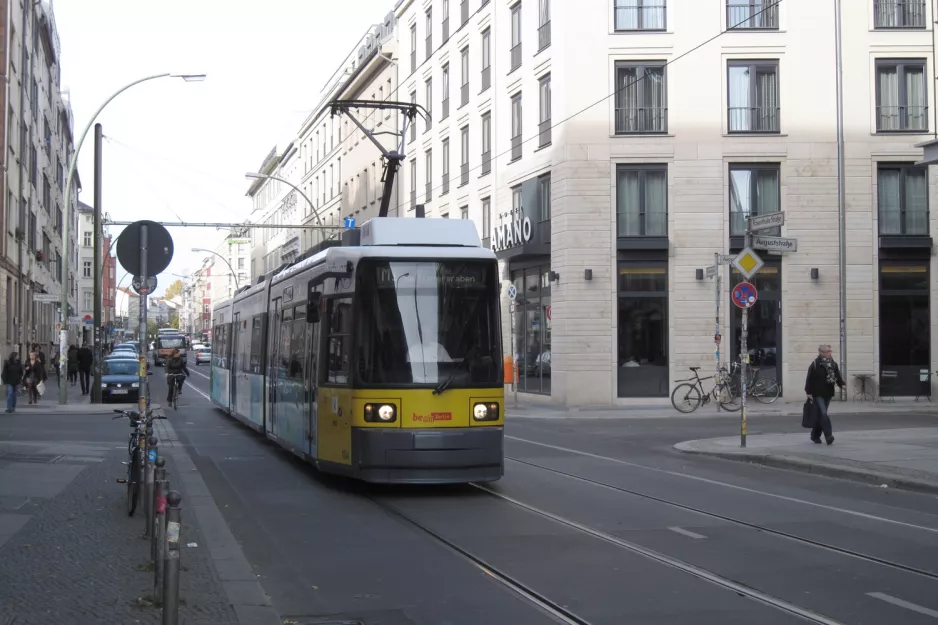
(827, 469)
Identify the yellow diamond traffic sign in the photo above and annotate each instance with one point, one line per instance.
(748, 263)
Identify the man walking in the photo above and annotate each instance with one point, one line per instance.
(85, 361)
(823, 374)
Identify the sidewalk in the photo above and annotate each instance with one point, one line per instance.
(70, 554)
(662, 408)
(902, 458)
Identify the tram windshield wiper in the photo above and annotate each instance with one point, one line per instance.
(442, 386)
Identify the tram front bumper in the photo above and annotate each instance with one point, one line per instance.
(429, 456)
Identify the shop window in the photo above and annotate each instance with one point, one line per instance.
(764, 322)
(643, 330)
(532, 328)
(904, 328)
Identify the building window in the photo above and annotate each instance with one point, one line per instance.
(642, 200)
(516, 36)
(754, 191)
(532, 318)
(486, 143)
(464, 212)
(339, 318)
(752, 14)
(413, 183)
(428, 88)
(413, 48)
(899, 13)
(642, 329)
(640, 14)
(487, 222)
(86, 269)
(543, 126)
(543, 201)
(445, 146)
(429, 193)
(413, 123)
(641, 98)
(464, 71)
(904, 328)
(87, 300)
(241, 263)
(516, 127)
(86, 239)
(429, 32)
(543, 25)
(486, 59)
(463, 12)
(901, 96)
(903, 199)
(464, 156)
(445, 112)
(445, 22)
(753, 96)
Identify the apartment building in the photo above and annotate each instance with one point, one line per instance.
(37, 128)
(229, 266)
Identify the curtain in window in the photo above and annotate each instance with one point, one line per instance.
(653, 14)
(739, 99)
(916, 202)
(627, 14)
(890, 219)
(888, 14)
(544, 16)
(656, 203)
(627, 100)
(915, 94)
(766, 100)
(767, 192)
(628, 204)
(740, 204)
(654, 117)
(888, 98)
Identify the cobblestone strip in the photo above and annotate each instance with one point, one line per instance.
(81, 560)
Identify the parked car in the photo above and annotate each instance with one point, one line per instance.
(120, 381)
(203, 355)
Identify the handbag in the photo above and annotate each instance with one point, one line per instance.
(41, 388)
(809, 414)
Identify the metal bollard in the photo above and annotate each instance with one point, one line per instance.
(152, 453)
(158, 546)
(171, 561)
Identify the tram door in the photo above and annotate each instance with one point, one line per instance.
(234, 364)
(313, 338)
(273, 364)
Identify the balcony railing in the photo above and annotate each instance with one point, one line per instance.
(644, 224)
(486, 77)
(445, 30)
(754, 119)
(646, 16)
(516, 57)
(445, 188)
(486, 162)
(464, 95)
(638, 120)
(903, 222)
(902, 119)
(543, 133)
(464, 174)
(543, 35)
(751, 15)
(429, 47)
(463, 12)
(899, 13)
(445, 112)
(516, 147)
(429, 194)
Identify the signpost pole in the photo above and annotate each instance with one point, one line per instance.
(143, 393)
(744, 354)
(96, 268)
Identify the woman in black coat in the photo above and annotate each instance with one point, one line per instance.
(823, 374)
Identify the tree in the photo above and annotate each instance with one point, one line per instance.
(173, 290)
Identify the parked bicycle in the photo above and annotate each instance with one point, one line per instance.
(765, 390)
(690, 395)
(137, 450)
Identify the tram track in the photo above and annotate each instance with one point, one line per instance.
(739, 522)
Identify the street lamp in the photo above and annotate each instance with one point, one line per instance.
(66, 215)
(256, 176)
(233, 274)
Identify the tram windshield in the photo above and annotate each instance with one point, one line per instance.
(428, 322)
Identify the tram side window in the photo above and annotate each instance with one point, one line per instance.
(220, 347)
(240, 360)
(298, 347)
(283, 354)
(257, 344)
(339, 314)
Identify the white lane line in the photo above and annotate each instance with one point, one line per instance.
(687, 533)
(903, 604)
(197, 372)
(862, 515)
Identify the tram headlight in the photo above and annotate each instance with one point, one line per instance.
(380, 413)
(485, 412)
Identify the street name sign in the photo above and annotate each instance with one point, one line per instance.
(46, 298)
(769, 220)
(775, 244)
(711, 271)
(726, 259)
(748, 263)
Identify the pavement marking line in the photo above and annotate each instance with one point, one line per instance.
(651, 554)
(903, 604)
(862, 515)
(195, 371)
(687, 533)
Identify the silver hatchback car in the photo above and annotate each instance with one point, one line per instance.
(203, 355)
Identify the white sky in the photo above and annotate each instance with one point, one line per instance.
(177, 150)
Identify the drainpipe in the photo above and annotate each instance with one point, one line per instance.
(841, 194)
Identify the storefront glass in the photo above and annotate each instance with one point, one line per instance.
(531, 322)
(904, 328)
(765, 325)
(643, 330)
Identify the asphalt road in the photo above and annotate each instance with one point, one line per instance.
(600, 519)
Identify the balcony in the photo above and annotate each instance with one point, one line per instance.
(644, 16)
(464, 95)
(744, 119)
(486, 77)
(751, 16)
(641, 120)
(445, 112)
(901, 119)
(516, 147)
(543, 35)
(445, 30)
(515, 57)
(543, 133)
(429, 193)
(463, 12)
(464, 174)
(486, 162)
(445, 188)
(899, 13)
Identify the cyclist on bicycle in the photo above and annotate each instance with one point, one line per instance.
(175, 365)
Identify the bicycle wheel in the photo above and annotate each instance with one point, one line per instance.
(766, 390)
(685, 398)
(133, 482)
(728, 396)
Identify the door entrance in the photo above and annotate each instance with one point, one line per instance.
(765, 322)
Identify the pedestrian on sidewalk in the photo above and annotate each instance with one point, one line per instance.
(72, 364)
(823, 374)
(33, 376)
(12, 376)
(85, 361)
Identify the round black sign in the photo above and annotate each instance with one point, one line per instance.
(151, 284)
(159, 248)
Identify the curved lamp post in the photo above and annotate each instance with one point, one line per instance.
(66, 217)
(225, 260)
